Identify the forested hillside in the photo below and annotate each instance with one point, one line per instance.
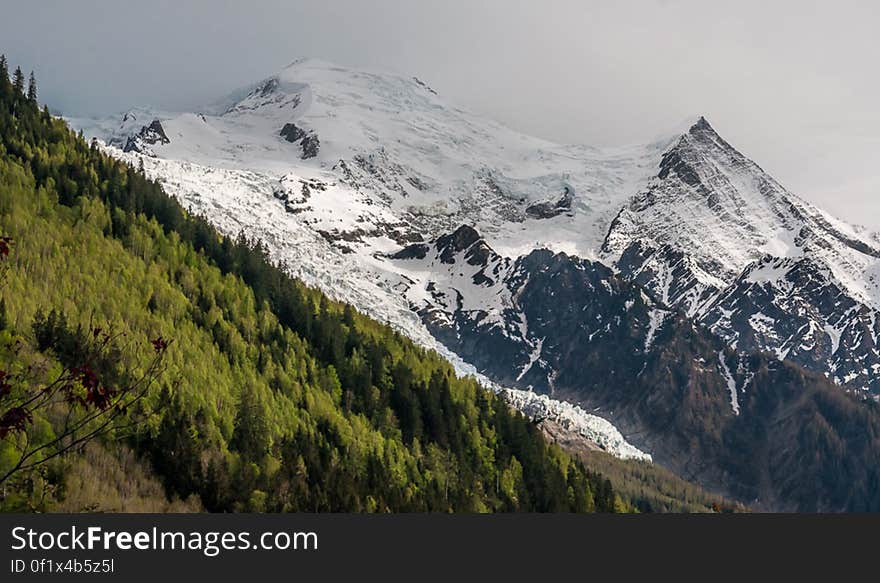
(146, 362)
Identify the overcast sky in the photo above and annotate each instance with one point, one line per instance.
(793, 84)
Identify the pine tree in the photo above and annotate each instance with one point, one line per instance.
(4, 67)
(32, 88)
(251, 431)
(18, 80)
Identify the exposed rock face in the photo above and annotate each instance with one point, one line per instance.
(794, 309)
(735, 421)
(292, 133)
(310, 146)
(308, 141)
(547, 210)
(149, 135)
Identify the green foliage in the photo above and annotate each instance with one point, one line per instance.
(274, 398)
(32, 88)
(651, 488)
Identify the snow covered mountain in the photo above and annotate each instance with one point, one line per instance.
(713, 234)
(359, 181)
(739, 422)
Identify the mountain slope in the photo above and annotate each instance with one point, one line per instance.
(352, 178)
(718, 237)
(742, 423)
(272, 397)
(327, 219)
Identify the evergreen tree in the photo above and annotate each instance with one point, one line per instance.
(4, 68)
(18, 80)
(251, 431)
(32, 88)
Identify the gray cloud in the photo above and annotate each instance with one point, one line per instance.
(792, 84)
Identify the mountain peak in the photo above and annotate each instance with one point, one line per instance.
(702, 124)
(691, 125)
(699, 134)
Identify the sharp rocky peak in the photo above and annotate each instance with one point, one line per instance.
(701, 125)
